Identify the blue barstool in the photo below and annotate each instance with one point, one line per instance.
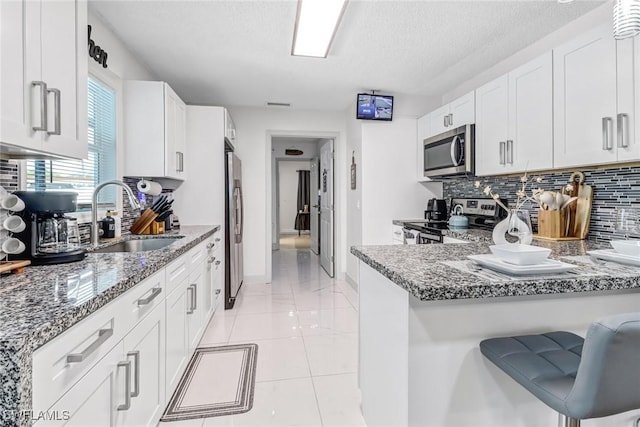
(579, 378)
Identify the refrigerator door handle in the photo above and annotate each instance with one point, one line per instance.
(239, 214)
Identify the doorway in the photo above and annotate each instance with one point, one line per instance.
(306, 227)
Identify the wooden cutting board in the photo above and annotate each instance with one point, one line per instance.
(15, 267)
(583, 209)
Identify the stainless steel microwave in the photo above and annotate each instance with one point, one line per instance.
(450, 153)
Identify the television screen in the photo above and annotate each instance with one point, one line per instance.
(374, 107)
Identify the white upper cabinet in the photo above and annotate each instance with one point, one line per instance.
(492, 126)
(155, 130)
(424, 124)
(463, 110)
(43, 83)
(514, 120)
(530, 142)
(585, 101)
(454, 114)
(628, 117)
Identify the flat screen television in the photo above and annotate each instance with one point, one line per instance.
(374, 107)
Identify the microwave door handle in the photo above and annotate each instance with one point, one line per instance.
(454, 143)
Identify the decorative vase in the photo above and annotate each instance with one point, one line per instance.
(501, 230)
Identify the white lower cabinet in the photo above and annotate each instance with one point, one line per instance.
(95, 399)
(144, 348)
(119, 366)
(177, 351)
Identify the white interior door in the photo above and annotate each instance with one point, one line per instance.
(326, 207)
(315, 206)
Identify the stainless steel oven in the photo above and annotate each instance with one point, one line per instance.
(450, 153)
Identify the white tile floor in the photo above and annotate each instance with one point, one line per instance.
(305, 324)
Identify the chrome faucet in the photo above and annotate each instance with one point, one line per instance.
(95, 235)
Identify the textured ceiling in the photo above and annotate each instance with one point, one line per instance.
(237, 53)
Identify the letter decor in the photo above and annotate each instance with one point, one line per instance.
(96, 52)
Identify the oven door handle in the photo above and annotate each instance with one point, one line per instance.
(456, 161)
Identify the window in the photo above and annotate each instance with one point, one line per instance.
(82, 176)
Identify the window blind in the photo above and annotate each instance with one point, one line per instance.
(82, 176)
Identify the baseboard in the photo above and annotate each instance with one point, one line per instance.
(351, 282)
(288, 232)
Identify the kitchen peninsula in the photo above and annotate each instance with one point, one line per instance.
(425, 308)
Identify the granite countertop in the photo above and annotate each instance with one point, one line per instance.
(443, 272)
(44, 301)
(471, 235)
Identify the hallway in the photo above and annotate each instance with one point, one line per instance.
(305, 324)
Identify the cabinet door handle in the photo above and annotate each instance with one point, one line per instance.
(179, 161)
(56, 112)
(136, 375)
(154, 293)
(210, 245)
(103, 336)
(217, 262)
(127, 385)
(211, 259)
(623, 130)
(445, 120)
(510, 150)
(217, 239)
(450, 119)
(502, 152)
(217, 291)
(43, 106)
(607, 133)
(195, 296)
(192, 298)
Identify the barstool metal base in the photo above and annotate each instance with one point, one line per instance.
(564, 421)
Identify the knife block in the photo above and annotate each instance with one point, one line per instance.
(154, 228)
(552, 224)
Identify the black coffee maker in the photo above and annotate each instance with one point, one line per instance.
(436, 210)
(50, 236)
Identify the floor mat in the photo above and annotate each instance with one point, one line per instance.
(218, 381)
(295, 242)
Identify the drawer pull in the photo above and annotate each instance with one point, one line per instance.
(103, 335)
(136, 376)
(217, 291)
(217, 262)
(210, 245)
(154, 293)
(127, 385)
(211, 259)
(217, 239)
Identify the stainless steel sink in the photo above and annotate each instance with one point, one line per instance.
(139, 245)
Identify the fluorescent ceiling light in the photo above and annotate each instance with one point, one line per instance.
(316, 25)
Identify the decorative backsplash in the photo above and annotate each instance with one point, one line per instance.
(619, 187)
(9, 175)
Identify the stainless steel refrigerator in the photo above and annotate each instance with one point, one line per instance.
(233, 228)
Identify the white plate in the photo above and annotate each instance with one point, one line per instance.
(547, 267)
(612, 255)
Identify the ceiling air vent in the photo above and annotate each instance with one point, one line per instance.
(278, 104)
(293, 152)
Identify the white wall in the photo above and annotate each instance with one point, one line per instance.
(120, 60)
(387, 187)
(596, 17)
(288, 179)
(255, 126)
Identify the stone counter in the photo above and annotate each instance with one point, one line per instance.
(442, 272)
(44, 301)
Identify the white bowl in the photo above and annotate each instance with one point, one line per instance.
(627, 247)
(520, 254)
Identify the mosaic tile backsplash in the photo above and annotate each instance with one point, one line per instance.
(619, 187)
(9, 175)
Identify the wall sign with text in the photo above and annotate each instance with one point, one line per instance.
(96, 52)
